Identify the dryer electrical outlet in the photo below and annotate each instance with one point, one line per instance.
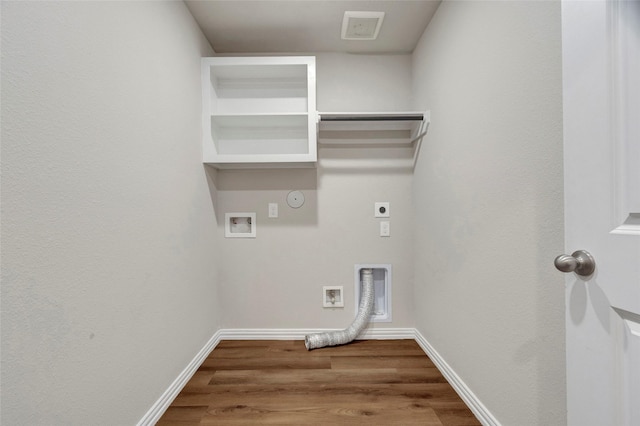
(381, 209)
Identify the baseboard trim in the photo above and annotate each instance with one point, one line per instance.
(157, 410)
(298, 334)
(479, 410)
(160, 406)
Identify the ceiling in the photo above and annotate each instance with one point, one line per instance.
(307, 26)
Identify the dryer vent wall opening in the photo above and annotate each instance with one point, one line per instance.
(382, 288)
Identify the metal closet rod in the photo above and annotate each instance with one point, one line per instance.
(371, 117)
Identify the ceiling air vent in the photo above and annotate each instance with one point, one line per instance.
(361, 25)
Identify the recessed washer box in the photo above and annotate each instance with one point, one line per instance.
(332, 297)
(240, 225)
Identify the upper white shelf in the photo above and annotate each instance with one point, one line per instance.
(386, 128)
(259, 111)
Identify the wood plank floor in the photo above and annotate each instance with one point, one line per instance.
(372, 382)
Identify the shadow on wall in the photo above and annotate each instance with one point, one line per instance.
(266, 179)
(251, 190)
(366, 158)
(212, 175)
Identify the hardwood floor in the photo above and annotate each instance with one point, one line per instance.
(372, 382)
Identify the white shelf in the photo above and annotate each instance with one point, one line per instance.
(259, 111)
(371, 140)
(260, 134)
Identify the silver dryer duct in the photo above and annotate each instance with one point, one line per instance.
(341, 337)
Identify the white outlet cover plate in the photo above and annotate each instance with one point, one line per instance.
(382, 209)
(385, 230)
(273, 210)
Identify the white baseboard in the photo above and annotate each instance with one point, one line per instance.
(155, 412)
(298, 334)
(479, 410)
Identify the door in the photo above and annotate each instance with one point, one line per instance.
(601, 103)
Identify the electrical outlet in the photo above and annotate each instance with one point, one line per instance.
(385, 229)
(273, 210)
(381, 209)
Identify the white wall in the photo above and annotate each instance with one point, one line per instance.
(112, 230)
(488, 193)
(275, 281)
(108, 226)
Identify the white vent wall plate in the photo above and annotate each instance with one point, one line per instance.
(382, 290)
(361, 25)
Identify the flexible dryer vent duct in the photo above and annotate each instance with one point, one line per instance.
(334, 338)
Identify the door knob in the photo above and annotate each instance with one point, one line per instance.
(581, 262)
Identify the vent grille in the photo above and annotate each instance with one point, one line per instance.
(361, 25)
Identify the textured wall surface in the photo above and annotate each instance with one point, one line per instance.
(112, 233)
(275, 281)
(488, 193)
(108, 228)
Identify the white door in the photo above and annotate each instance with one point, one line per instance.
(601, 90)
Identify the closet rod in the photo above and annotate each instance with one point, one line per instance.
(371, 117)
